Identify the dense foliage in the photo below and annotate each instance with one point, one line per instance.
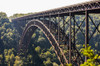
(93, 59)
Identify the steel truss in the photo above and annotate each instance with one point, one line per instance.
(63, 25)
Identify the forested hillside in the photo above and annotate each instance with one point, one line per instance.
(39, 47)
(40, 52)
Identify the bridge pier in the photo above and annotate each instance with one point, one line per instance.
(70, 38)
(86, 31)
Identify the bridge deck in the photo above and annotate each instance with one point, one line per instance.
(91, 6)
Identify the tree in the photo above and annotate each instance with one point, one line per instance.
(92, 57)
(9, 57)
(48, 62)
(18, 61)
(1, 59)
(37, 49)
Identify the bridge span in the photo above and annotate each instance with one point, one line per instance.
(61, 26)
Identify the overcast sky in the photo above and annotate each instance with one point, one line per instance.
(25, 6)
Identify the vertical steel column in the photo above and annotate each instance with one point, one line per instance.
(74, 30)
(64, 28)
(86, 31)
(43, 18)
(58, 28)
(38, 18)
(70, 39)
(50, 21)
(64, 23)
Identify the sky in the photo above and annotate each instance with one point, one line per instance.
(11, 7)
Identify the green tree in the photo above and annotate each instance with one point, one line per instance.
(48, 62)
(18, 61)
(9, 57)
(1, 59)
(37, 49)
(92, 57)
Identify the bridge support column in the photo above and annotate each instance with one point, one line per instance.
(70, 38)
(74, 30)
(58, 27)
(50, 22)
(86, 31)
(43, 18)
(64, 28)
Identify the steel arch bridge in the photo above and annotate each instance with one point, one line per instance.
(30, 29)
(61, 27)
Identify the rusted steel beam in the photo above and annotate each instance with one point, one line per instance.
(58, 27)
(64, 27)
(86, 31)
(49, 22)
(70, 39)
(74, 30)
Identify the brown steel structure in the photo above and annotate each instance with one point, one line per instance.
(50, 23)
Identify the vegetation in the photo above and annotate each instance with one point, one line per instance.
(92, 57)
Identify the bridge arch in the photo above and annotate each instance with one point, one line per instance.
(43, 25)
